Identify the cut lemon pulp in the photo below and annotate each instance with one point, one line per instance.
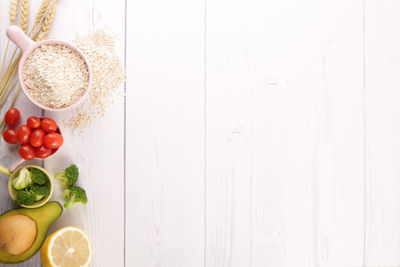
(68, 247)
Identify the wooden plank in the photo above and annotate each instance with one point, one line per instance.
(99, 151)
(339, 164)
(165, 133)
(285, 167)
(383, 131)
(9, 153)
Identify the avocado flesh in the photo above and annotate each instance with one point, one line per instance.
(44, 218)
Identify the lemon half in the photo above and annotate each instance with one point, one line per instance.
(68, 247)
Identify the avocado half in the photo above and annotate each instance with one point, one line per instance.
(43, 217)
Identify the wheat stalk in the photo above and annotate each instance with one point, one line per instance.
(14, 99)
(47, 22)
(24, 14)
(38, 20)
(4, 57)
(7, 93)
(13, 18)
(39, 31)
(9, 74)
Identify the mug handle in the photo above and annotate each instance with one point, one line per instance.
(4, 170)
(17, 36)
(16, 164)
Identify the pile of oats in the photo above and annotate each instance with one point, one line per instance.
(55, 75)
(108, 74)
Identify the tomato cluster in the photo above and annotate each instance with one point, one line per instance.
(38, 138)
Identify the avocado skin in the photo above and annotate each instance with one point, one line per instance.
(44, 218)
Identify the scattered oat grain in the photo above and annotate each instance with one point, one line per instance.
(107, 74)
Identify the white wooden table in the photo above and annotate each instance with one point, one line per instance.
(254, 133)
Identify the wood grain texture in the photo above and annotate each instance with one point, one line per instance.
(285, 166)
(256, 133)
(165, 133)
(9, 153)
(99, 151)
(100, 161)
(383, 132)
(339, 150)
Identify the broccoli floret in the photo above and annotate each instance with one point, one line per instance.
(69, 176)
(23, 180)
(73, 195)
(40, 191)
(25, 198)
(38, 177)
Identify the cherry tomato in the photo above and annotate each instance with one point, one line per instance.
(37, 138)
(33, 122)
(43, 152)
(53, 140)
(49, 125)
(10, 136)
(24, 134)
(27, 152)
(12, 117)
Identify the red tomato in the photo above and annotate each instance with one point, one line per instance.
(10, 136)
(53, 140)
(24, 134)
(27, 152)
(49, 125)
(37, 138)
(12, 117)
(43, 152)
(33, 122)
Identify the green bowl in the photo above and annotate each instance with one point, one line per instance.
(13, 193)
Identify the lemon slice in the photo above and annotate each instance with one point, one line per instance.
(68, 247)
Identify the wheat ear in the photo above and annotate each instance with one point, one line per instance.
(41, 27)
(44, 8)
(41, 12)
(24, 14)
(13, 18)
(13, 11)
(47, 22)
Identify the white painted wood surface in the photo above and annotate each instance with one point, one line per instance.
(382, 130)
(253, 133)
(165, 133)
(285, 150)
